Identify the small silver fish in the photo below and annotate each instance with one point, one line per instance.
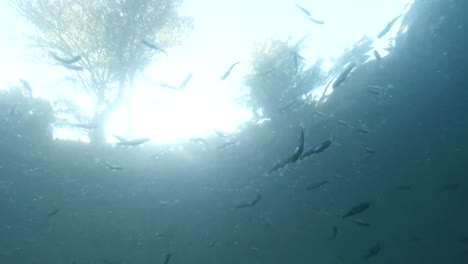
(120, 138)
(369, 150)
(319, 22)
(133, 142)
(317, 149)
(374, 90)
(373, 251)
(112, 167)
(186, 80)
(344, 123)
(65, 61)
(278, 165)
(152, 46)
(299, 149)
(53, 212)
(363, 130)
(293, 158)
(388, 27)
(86, 126)
(377, 55)
(167, 258)
(360, 222)
(318, 113)
(72, 67)
(357, 209)
(340, 79)
(257, 199)
(316, 185)
(170, 86)
(226, 74)
(305, 11)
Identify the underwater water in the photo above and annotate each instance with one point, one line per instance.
(385, 181)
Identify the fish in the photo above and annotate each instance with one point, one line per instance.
(72, 67)
(363, 130)
(53, 212)
(318, 113)
(112, 167)
(27, 86)
(316, 185)
(324, 93)
(317, 149)
(298, 151)
(278, 165)
(319, 22)
(374, 90)
(388, 27)
(86, 126)
(372, 252)
(213, 243)
(167, 258)
(357, 209)
(344, 123)
(257, 199)
(152, 46)
(334, 233)
(377, 55)
(369, 150)
(158, 155)
(360, 222)
(133, 142)
(170, 86)
(186, 80)
(293, 158)
(120, 138)
(65, 61)
(305, 11)
(340, 79)
(226, 74)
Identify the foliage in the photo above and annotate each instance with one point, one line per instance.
(108, 36)
(278, 75)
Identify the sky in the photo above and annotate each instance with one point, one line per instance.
(224, 33)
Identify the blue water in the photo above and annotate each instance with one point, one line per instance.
(60, 204)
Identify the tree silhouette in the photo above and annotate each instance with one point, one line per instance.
(104, 44)
(278, 76)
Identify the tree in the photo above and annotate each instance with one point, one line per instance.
(279, 76)
(110, 37)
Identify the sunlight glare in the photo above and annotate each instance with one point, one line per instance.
(219, 39)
